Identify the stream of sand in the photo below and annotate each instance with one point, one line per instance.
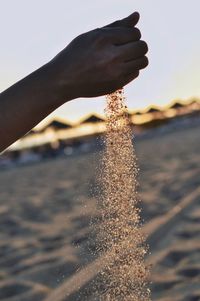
(126, 277)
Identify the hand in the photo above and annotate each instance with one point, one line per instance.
(100, 61)
(93, 64)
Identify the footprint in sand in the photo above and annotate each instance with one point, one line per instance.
(12, 290)
(190, 272)
(174, 257)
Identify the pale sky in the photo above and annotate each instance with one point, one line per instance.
(33, 31)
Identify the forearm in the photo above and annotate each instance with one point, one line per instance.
(25, 104)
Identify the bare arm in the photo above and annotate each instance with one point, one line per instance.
(93, 64)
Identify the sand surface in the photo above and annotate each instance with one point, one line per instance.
(45, 210)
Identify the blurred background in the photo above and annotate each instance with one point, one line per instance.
(47, 178)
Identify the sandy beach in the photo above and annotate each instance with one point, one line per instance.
(45, 211)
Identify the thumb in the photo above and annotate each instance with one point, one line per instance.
(129, 21)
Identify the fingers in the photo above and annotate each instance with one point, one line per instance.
(138, 64)
(129, 72)
(127, 79)
(132, 51)
(120, 35)
(129, 21)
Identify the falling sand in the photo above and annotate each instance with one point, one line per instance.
(125, 274)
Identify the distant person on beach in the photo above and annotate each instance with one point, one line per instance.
(93, 64)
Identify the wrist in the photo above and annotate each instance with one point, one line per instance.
(60, 86)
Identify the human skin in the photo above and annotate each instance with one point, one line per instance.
(93, 64)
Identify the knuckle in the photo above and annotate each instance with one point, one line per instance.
(100, 35)
(145, 62)
(116, 23)
(137, 33)
(144, 46)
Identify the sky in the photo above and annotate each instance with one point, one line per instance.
(33, 32)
